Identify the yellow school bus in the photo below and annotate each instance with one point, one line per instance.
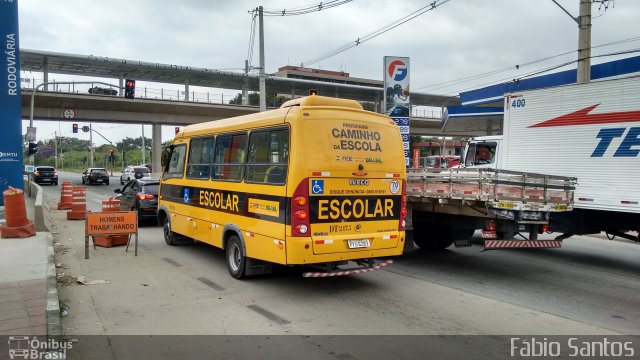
(318, 182)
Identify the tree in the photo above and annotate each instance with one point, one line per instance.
(273, 99)
(369, 106)
(134, 144)
(45, 151)
(72, 143)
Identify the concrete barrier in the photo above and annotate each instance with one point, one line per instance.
(34, 190)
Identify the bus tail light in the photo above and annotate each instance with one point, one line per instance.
(403, 207)
(300, 210)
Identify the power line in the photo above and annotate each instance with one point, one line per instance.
(375, 33)
(304, 9)
(515, 67)
(542, 71)
(252, 37)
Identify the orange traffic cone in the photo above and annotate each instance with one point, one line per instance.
(17, 225)
(66, 196)
(78, 204)
(110, 205)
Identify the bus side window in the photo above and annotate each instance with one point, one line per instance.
(200, 156)
(176, 162)
(230, 157)
(268, 157)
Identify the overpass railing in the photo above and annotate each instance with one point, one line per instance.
(98, 88)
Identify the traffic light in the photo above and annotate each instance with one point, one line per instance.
(177, 129)
(130, 89)
(75, 128)
(32, 148)
(111, 153)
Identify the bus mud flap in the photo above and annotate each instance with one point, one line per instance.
(348, 271)
(257, 267)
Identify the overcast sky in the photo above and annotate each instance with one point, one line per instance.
(461, 38)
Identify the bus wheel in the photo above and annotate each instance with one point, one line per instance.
(235, 260)
(170, 237)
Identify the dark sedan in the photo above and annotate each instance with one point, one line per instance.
(45, 175)
(140, 195)
(95, 176)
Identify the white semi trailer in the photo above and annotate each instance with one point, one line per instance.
(587, 131)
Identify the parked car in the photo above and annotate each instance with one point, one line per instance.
(45, 174)
(96, 90)
(95, 176)
(129, 173)
(140, 195)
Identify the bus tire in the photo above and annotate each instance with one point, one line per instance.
(170, 237)
(235, 260)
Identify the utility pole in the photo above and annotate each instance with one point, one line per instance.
(245, 93)
(263, 87)
(143, 144)
(90, 145)
(584, 42)
(584, 39)
(55, 148)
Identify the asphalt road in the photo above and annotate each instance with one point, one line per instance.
(590, 286)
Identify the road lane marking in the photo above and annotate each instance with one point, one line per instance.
(210, 283)
(268, 314)
(172, 262)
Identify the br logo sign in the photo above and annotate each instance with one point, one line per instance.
(397, 70)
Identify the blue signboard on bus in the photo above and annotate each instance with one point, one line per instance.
(11, 167)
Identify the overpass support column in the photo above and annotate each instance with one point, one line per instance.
(156, 147)
(45, 72)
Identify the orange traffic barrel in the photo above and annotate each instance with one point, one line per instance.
(66, 196)
(78, 204)
(17, 225)
(110, 205)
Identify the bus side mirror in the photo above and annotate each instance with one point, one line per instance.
(164, 158)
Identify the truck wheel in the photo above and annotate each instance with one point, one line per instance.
(235, 260)
(432, 237)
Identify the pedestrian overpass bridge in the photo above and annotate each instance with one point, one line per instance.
(51, 105)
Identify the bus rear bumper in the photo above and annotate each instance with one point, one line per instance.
(366, 265)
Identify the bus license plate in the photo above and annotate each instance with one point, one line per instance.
(360, 243)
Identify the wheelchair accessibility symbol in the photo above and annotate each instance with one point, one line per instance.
(317, 186)
(186, 195)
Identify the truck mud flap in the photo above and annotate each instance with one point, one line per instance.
(514, 244)
(348, 271)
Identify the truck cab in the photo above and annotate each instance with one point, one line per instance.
(483, 152)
